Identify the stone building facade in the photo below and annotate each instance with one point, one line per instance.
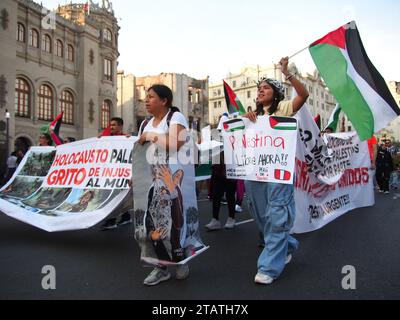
(53, 61)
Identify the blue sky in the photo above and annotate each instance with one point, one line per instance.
(214, 37)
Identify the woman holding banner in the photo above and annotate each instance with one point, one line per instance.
(271, 204)
(168, 131)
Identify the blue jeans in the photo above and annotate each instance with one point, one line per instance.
(272, 206)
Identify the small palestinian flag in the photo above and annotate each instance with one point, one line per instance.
(234, 125)
(55, 129)
(282, 175)
(317, 120)
(334, 119)
(280, 123)
(232, 101)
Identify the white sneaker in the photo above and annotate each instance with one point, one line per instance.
(182, 272)
(263, 279)
(288, 259)
(156, 276)
(214, 225)
(230, 223)
(238, 209)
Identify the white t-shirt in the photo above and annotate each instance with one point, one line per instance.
(162, 128)
(221, 122)
(12, 162)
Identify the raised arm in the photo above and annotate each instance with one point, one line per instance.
(302, 92)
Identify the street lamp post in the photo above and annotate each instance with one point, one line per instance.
(7, 134)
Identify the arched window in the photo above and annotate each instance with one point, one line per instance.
(105, 114)
(108, 35)
(70, 53)
(108, 69)
(34, 38)
(45, 103)
(67, 106)
(59, 49)
(46, 43)
(22, 98)
(20, 32)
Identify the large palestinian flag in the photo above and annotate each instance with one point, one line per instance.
(232, 102)
(353, 80)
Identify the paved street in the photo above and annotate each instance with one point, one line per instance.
(105, 265)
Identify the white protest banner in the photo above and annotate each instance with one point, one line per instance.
(51, 193)
(331, 179)
(263, 151)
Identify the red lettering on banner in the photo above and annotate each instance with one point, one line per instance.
(94, 172)
(65, 177)
(263, 142)
(116, 172)
(84, 157)
(354, 177)
(302, 176)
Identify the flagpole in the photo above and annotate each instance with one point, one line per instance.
(298, 52)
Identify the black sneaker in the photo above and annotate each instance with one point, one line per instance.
(109, 224)
(125, 219)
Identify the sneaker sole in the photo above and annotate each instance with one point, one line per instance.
(124, 223)
(165, 278)
(264, 283)
(108, 228)
(214, 229)
(229, 228)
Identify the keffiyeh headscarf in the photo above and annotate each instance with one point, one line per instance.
(277, 85)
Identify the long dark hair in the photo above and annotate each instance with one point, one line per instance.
(274, 106)
(164, 93)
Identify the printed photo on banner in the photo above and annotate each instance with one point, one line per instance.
(165, 209)
(84, 200)
(21, 187)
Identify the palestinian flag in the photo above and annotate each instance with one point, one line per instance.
(232, 102)
(334, 119)
(86, 7)
(55, 129)
(54, 133)
(234, 125)
(282, 175)
(317, 120)
(353, 80)
(280, 123)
